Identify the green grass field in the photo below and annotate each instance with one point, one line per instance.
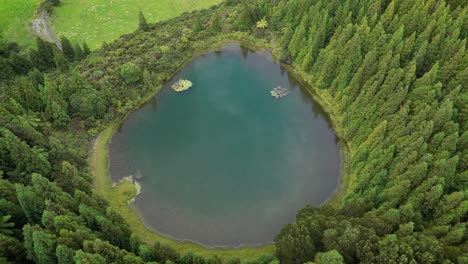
(15, 20)
(96, 21)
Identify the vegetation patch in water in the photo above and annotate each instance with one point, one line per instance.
(182, 85)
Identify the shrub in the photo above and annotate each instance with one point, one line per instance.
(88, 103)
(130, 72)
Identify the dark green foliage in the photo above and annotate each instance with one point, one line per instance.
(131, 73)
(67, 48)
(5, 226)
(246, 18)
(44, 247)
(54, 2)
(61, 62)
(20, 64)
(145, 253)
(393, 74)
(215, 23)
(198, 26)
(86, 49)
(64, 254)
(43, 59)
(383, 73)
(79, 52)
(6, 71)
(12, 249)
(163, 253)
(88, 103)
(143, 25)
(191, 258)
(23, 160)
(87, 258)
(135, 243)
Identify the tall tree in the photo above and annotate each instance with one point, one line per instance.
(143, 25)
(67, 48)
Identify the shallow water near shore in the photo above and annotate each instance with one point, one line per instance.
(225, 163)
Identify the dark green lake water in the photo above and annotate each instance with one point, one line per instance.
(225, 163)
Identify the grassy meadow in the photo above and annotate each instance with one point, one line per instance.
(15, 20)
(96, 21)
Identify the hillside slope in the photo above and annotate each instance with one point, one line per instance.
(394, 75)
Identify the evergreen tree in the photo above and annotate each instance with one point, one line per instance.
(143, 25)
(79, 53)
(86, 49)
(20, 64)
(45, 55)
(215, 23)
(67, 48)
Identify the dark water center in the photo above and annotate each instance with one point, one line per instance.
(225, 163)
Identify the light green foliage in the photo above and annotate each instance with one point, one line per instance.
(64, 254)
(67, 49)
(87, 258)
(330, 257)
(44, 247)
(130, 72)
(262, 23)
(182, 85)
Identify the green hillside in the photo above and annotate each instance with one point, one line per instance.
(96, 21)
(393, 75)
(15, 19)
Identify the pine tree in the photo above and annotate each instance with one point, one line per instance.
(67, 48)
(61, 63)
(20, 64)
(45, 54)
(215, 23)
(86, 49)
(79, 53)
(143, 25)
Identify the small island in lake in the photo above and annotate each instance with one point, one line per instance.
(279, 92)
(182, 85)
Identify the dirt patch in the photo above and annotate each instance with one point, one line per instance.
(40, 27)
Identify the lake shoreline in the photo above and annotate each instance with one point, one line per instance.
(99, 162)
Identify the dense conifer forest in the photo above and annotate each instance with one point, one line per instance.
(393, 73)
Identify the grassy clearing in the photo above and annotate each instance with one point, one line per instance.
(15, 20)
(96, 21)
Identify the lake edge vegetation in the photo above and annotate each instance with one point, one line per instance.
(395, 72)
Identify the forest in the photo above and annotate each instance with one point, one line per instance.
(394, 74)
